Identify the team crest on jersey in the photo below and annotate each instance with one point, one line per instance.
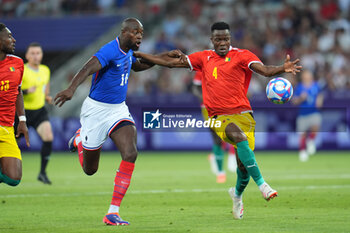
(12, 69)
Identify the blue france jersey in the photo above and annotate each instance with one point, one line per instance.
(110, 84)
(308, 106)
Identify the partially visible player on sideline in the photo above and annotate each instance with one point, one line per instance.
(216, 158)
(36, 90)
(11, 100)
(309, 98)
(104, 112)
(226, 76)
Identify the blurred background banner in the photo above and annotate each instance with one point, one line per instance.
(71, 31)
(275, 128)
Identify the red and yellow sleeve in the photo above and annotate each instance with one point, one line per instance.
(195, 60)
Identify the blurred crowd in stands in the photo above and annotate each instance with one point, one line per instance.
(317, 32)
(34, 8)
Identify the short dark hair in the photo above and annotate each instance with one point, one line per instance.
(33, 44)
(220, 26)
(2, 27)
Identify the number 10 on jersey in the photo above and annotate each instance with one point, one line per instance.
(124, 79)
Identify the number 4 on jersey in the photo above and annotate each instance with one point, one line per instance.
(124, 80)
(215, 72)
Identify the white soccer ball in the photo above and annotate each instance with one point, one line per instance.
(279, 90)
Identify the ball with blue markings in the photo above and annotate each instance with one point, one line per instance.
(279, 90)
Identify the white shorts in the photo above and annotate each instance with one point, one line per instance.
(305, 122)
(98, 121)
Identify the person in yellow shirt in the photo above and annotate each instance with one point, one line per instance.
(36, 90)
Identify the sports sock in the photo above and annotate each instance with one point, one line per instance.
(246, 155)
(219, 156)
(242, 182)
(121, 183)
(45, 152)
(113, 209)
(302, 142)
(7, 180)
(262, 186)
(79, 146)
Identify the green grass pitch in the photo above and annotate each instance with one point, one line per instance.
(176, 192)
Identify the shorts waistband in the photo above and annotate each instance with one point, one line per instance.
(102, 104)
(248, 111)
(6, 128)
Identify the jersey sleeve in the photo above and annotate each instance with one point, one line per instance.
(195, 60)
(25, 81)
(22, 72)
(197, 79)
(133, 59)
(248, 58)
(105, 54)
(47, 74)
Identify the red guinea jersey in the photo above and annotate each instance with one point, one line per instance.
(197, 79)
(225, 79)
(11, 72)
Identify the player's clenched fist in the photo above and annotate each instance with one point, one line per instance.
(63, 96)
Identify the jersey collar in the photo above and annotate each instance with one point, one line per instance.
(117, 39)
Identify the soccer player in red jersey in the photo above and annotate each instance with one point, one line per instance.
(226, 76)
(11, 99)
(216, 158)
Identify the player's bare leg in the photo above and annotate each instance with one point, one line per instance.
(246, 156)
(91, 159)
(125, 140)
(10, 170)
(45, 132)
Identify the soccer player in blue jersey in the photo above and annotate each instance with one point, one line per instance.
(309, 98)
(104, 112)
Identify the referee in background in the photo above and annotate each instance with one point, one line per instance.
(36, 90)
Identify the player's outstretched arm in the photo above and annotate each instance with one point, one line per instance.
(268, 71)
(92, 66)
(22, 126)
(171, 59)
(141, 64)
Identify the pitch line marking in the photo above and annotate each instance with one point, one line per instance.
(309, 187)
